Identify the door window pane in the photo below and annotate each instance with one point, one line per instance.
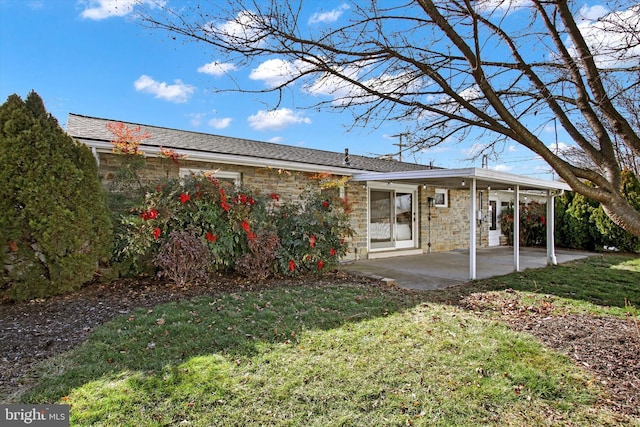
(380, 227)
(404, 216)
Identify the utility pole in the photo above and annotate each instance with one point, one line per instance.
(400, 144)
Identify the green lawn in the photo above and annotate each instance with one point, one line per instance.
(340, 355)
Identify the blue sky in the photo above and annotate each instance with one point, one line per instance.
(82, 56)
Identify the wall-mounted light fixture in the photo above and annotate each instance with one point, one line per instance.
(463, 183)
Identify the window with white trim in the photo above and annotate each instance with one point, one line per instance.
(441, 198)
(233, 177)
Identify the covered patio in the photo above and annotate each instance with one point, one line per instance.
(444, 269)
(475, 180)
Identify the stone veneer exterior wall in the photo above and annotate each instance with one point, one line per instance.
(447, 230)
(289, 184)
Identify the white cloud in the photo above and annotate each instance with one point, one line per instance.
(612, 37)
(196, 119)
(512, 148)
(501, 168)
(178, 92)
(471, 93)
(328, 17)
(102, 9)
(220, 123)
(217, 68)
(561, 148)
(437, 149)
(474, 150)
(345, 93)
(36, 4)
(276, 119)
(276, 139)
(330, 84)
(243, 31)
(592, 13)
(275, 72)
(502, 6)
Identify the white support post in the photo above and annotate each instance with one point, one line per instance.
(516, 229)
(551, 226)
(472, 230)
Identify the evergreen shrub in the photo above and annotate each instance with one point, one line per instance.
(613, 235)
(575, 228)
(54, 224)
(583, 224)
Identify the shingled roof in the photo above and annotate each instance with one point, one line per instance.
(92, 129)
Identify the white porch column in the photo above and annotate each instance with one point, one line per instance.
(516, 229)
(472, 230)
(551, 227)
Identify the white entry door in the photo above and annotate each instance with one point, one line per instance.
(494, 226)
(392, 218)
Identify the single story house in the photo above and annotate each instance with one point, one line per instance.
(399, 208)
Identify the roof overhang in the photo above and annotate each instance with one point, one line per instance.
(461, 178)
(234, 159)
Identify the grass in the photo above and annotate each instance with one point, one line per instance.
(340, 355)
(599, 285)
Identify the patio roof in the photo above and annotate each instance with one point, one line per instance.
(474, 180)
(461, 178)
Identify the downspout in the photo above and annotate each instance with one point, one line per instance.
(551, 227)
(429, 204)
(94, 151)
(516, 229)
(472, 231)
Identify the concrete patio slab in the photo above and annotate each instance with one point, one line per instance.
(444, 269)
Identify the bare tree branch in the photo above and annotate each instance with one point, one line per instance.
(447, 69)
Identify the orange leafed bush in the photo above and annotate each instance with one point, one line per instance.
(126, 139)
(172, 155)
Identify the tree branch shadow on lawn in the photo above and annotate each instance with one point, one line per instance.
(586, 309)
(238, 325)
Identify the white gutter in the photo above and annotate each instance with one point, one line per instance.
(465, 173)
(234, 159)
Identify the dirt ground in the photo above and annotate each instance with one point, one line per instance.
(34, 331)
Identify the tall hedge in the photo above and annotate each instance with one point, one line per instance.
(575, 228)
(54, 224)
(613, 235)
(582, 223)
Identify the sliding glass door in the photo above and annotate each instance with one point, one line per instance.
(392, 218)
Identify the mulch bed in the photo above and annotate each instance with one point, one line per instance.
(34, 331)
(609, 347)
